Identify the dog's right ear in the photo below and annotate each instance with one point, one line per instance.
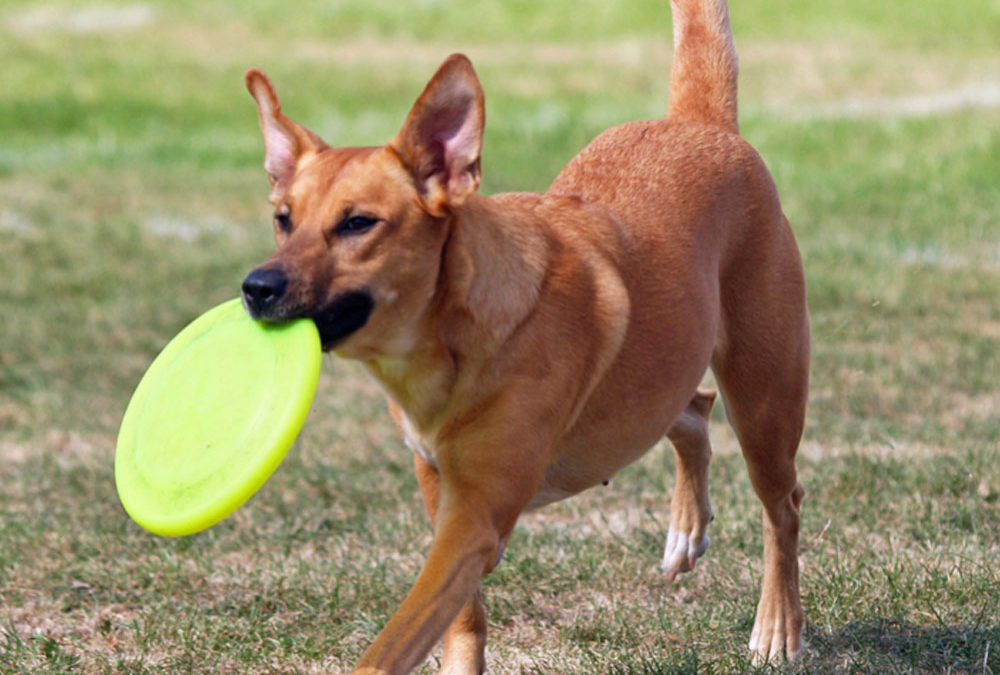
(285, 142)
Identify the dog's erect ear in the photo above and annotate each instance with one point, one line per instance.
(442, 137)
(285, 142)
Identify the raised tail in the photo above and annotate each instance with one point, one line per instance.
(705, 67)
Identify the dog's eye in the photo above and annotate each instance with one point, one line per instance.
(356, 224)
(283, 220)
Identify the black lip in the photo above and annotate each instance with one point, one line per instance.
(342, 317)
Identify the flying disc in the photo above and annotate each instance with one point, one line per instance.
(213, 417)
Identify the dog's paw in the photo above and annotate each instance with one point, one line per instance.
(682, 551)
(777, 633)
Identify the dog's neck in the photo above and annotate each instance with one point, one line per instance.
(492, 269)
(495, 262)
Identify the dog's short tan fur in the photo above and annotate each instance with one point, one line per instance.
(531, 346)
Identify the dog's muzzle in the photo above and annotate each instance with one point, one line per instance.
(344, 316)
(263, 290)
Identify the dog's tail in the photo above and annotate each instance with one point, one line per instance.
(705, 67)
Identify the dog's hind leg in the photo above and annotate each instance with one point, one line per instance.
(690, 510)
(768, 425)
(762, 366)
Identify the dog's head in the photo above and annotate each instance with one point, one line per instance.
(360, 231)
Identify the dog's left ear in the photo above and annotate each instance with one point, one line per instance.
(442, 137)
(285, 142)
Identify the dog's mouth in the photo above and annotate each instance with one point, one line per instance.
(342, 317)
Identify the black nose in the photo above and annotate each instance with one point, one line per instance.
(262, 290)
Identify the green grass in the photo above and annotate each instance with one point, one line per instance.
(132, 199)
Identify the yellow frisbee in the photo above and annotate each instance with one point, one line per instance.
(213, 417)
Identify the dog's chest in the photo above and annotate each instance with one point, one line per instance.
(415, 443)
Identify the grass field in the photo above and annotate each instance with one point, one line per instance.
(132, 198)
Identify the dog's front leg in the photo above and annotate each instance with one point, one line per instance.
(473, 518)
(465, 639)
(464, 550)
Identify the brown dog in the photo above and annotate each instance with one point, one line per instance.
(533, 345)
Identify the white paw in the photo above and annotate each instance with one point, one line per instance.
(682, 551)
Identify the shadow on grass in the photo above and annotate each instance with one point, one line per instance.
(875, 645)
(889, 645)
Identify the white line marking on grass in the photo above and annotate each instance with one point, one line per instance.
(171, 227)
(191, 230)
(945, 259)
(85, 20)
(981, 95)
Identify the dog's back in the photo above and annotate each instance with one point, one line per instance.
(666, 158)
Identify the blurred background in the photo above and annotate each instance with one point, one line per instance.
(132, 198)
